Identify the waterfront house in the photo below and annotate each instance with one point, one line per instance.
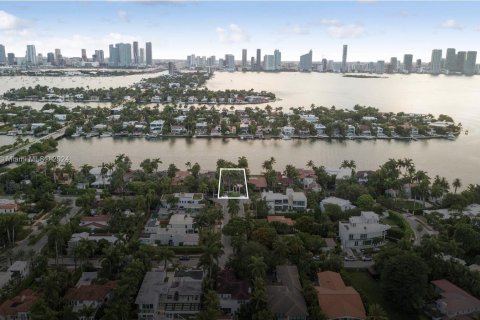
(454, 302)
(95, 222)
(340, 173)
(320, 128)
(362, 176)
(290, 201)
(101, 178)
(156, 126)
(284, 297)
(364, 231)
(19, 306)
(201, 128)
(99, 127)
(413, 132)
(178, 130)
(232, 292)
(173, 297)
(288, 131)
(60, 117)
(336, 300)
(350, 131)
(343, 204)
(190, 201)
(308, 178)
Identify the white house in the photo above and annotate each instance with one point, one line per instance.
(8, 206)
(310, 118)
(320, 129)
(179, 231)
(192, 201)
(291, 200)
(76, 237)
(288, 130)
(178, 130)
(157, 126)
(364, 231)
(60, 117)
(350, 130)
(342, 203)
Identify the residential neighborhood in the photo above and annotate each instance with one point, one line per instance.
(156, 242)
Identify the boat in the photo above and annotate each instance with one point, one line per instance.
(151, 136)
(75, 135)
(12, 133)
(106, 135)
(286, 137)
(451, 137)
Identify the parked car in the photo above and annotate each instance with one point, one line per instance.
(350, 258)
(184, 258)
(367, 258)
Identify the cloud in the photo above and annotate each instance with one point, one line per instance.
(9, 21)
(232, 34)
(295, 29)
(451, 24)
(339, 30)
(123, 15)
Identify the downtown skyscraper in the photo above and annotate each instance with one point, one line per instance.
(259, 59)
(277, 55)
(436, 61)
(450, 60)
(135, 53)
(31, 56)
(244, 58)
(3, 57)
(408, 63)
(148, 54)
(470, 63)
(305, 62)
(344, 59)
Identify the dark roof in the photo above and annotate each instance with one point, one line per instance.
(194, 274)
(285, 297)
(93, 292)
(227, 283)
(23, 302)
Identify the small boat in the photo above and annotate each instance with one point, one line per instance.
(149, 136)
(451, 137)
(12, 133)
(106, 135)
(75, 135)
(466, 132)
(286, 137)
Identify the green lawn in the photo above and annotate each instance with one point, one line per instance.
(371, 289)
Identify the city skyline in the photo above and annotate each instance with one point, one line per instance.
(365, 27)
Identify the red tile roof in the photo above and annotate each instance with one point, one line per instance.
(8, 206)
(330, 242)
(93, 292)
(99, 218)
(337, 300)
(280, 219)
(455, 299)
(258, 181)
(21, 303)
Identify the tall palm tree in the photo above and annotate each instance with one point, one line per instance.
(258, 267)
(212, 250)
(457, 183)
(165, 255)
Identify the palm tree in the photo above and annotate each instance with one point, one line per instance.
(165, 255)
(310, 164)
(376, 312)
(212, 250)
(233, 207)
(457, 183)
(258, 267)
(57, 236)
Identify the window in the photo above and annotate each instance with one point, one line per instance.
(356, 243)
(350, 237)
(363, 236)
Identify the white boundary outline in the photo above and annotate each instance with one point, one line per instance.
(220, 180)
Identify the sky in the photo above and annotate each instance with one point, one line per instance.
(373, 30)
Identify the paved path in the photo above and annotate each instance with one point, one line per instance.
(414, 223)
(38, 246)
(226, 241)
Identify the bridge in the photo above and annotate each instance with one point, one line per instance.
(8, 157)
